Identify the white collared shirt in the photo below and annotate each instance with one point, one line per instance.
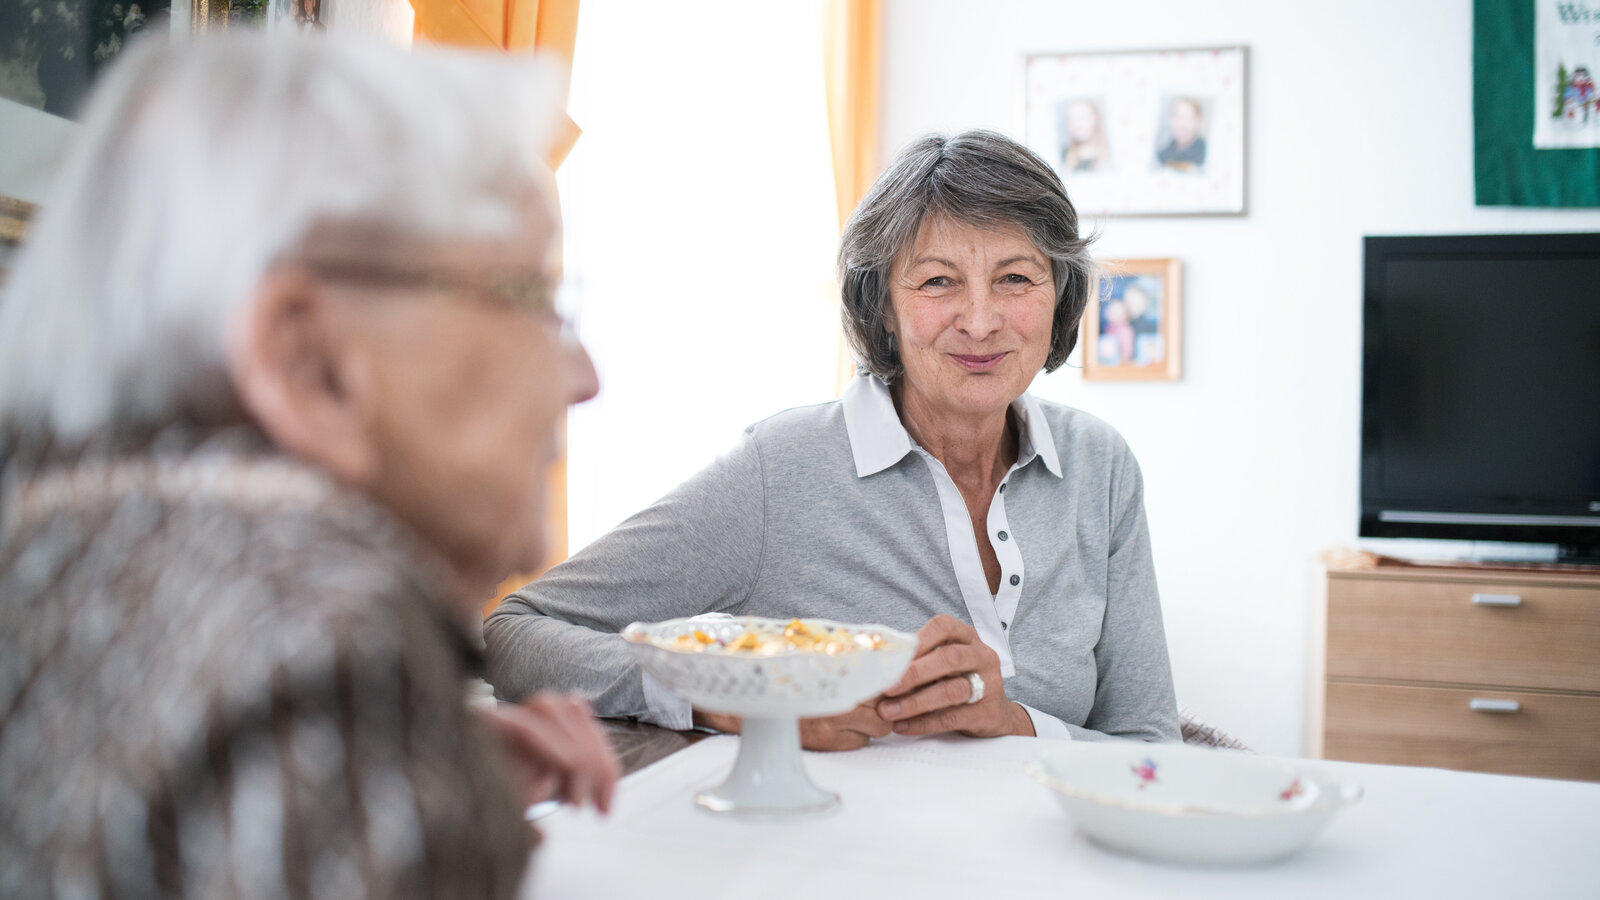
(878, 440)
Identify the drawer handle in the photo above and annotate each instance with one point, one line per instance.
(1496, 600)
(1481, 704)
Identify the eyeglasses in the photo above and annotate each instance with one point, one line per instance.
(523, 291)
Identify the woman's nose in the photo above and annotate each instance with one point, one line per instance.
(583, 381)
(980, 317)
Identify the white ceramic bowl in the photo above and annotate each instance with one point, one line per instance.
(772, 692)
(793, 683)
(1191, 805)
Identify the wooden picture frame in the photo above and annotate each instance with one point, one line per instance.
(1133, 329)
(14, 217)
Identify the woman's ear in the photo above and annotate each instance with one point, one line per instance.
(304, 375)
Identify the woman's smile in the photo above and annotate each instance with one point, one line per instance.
(976, 363)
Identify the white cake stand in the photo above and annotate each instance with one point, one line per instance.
(772, 694)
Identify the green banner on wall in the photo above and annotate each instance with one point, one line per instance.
(1536, 132)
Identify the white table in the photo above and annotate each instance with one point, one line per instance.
(951, 817)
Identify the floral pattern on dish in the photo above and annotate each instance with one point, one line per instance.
(1146, 772)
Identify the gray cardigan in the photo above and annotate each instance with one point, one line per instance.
(784, 526)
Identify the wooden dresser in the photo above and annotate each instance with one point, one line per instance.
(1488, 669)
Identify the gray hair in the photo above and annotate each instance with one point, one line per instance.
(198, 166)
(978, 177)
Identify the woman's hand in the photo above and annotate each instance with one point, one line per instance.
(557, 750)
(846, 731)
(932, 696)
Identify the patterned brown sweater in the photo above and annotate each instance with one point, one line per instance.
(223, 676)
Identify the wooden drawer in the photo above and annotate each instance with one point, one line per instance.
(1413, 630)
(1550, 736)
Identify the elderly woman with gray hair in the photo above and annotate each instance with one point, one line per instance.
(935, 495)
(270, 431)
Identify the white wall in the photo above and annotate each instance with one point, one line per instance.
(1360, 122)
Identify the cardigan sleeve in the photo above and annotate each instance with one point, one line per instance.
(696, 550)
(1134, 695)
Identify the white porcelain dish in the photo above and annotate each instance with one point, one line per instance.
(1191, 805)
(795, 683)
(772, 692)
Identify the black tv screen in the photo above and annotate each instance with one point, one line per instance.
(1481, 389)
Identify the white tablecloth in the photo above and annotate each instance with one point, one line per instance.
(951, 817)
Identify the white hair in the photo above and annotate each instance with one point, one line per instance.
(199, 165)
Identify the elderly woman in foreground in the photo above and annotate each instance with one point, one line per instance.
(270, 431)
(935, 495)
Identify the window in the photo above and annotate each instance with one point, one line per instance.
(700, 238)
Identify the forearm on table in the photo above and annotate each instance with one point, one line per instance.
(1053, 728)
(528, 653)
(694, 551)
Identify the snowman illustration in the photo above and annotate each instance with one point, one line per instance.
(1579, 95)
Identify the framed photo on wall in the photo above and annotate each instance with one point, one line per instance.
(1134, 331)
(1145, 133)
(53, 55)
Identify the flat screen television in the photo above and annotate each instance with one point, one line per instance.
(1480, 398)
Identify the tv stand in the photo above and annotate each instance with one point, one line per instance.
(1482, 667)
(1577, 555)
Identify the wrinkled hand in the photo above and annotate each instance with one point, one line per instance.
(931, 697)
(557, 750)
(846, 731)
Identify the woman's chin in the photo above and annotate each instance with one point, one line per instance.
(986, 394)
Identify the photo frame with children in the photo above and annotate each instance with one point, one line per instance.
(1133, 330)
(1143, 133)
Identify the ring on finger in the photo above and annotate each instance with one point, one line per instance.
(976, 681)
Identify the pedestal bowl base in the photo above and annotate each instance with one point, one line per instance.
(768, 779)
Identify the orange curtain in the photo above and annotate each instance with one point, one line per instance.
(549, 26)
(506, 24)
(852, 47)
(853, 50)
